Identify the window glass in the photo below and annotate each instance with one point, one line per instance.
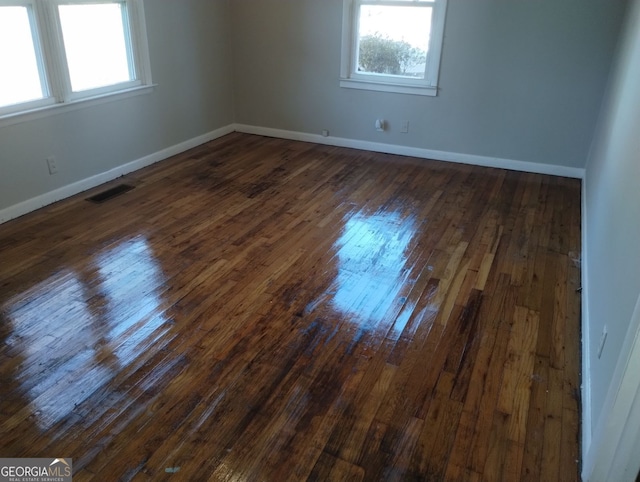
(393, 40)
(95, 45)
(20, 79)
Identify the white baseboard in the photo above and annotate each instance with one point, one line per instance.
(71, 189)
(586, 422)
(473, 159)
(50, 197)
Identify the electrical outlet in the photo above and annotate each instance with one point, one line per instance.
(51, 164)
(404, 127)
(325, 133)
(603, 338)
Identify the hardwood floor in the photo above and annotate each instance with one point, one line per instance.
(265, 310)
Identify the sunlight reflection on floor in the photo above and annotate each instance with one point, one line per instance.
(372, 254)
(110, 313)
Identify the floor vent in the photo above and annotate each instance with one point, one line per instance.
(110, 193)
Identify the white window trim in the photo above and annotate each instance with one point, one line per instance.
(50, 52)
(34, 113)
(349, 78)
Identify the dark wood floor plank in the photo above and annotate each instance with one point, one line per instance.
(262, 309)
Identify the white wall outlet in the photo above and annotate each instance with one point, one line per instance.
(380, 125)
(51, 164)
(603, 338)
(404, 127)
(325, 133)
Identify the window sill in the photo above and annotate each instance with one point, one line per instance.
(40, 112)
(388, 87)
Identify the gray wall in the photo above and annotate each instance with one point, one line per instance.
(190, 62)
(520, 80)
(613, 217)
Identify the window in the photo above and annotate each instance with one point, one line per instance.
(22, 80)
(392, 45)
(62, 51)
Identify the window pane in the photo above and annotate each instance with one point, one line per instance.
(394, 40)
(95, 45)
(20, 77)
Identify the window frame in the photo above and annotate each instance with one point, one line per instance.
(55, 78)
(350, 78)
(36, 37)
